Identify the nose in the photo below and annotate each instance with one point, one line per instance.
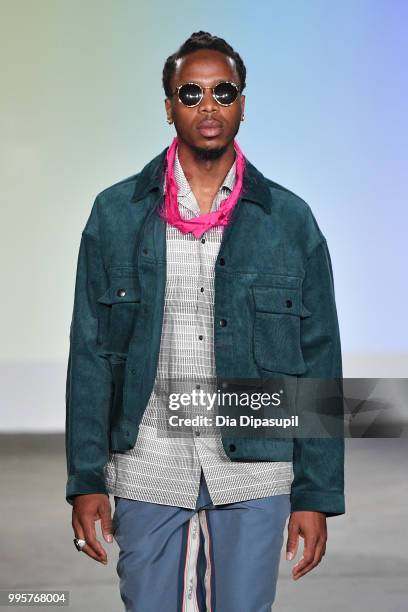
(208, 103)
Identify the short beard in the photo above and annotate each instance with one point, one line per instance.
(209, 154)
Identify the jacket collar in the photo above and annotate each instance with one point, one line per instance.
(151, 177)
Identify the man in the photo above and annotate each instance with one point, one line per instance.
(198, 268)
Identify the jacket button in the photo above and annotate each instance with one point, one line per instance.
(133, 371)
(121, 292)
(232, 447)
(289, 303)
(223, 322)
(222, 261)
(145, 251)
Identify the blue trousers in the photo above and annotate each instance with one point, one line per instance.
(221, 558)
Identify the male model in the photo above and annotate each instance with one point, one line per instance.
(198, 268)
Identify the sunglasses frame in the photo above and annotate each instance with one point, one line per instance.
(177, 91)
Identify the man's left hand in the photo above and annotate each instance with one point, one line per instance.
(311, 526)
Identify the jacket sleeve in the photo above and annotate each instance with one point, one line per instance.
(318, 463)
(88, 381)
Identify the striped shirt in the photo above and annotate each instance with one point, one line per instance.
(166, 469)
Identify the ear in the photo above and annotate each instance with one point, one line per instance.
(242, 104)
(167, 104)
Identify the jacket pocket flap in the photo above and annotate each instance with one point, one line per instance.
(119, 293)
(279, 300)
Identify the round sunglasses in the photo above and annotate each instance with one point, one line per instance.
(190, 94)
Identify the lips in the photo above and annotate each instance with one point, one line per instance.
(209, 128)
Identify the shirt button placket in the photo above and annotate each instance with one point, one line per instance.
(200, 305)
(201, 285)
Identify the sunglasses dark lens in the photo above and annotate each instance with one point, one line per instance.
(225, 93)
(190, 94)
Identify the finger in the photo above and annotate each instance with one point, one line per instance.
(320, 546)
(293, 539)
(106, 521)
(80, 533)
(77, 527)
(304, 564)
(91, 553)
(88, 525)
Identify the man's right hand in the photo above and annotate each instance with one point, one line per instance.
(88, 509)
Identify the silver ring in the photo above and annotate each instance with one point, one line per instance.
(79, 543)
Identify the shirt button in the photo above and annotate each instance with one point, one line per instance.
(203, 240)
(200, 337)
(197, 433)
(121, 292)
(223, 322)
(202, 289)
(197, 386)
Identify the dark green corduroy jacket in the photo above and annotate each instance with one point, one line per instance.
(272, 255)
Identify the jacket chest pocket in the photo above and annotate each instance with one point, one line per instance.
(276, 334)
(119, 308)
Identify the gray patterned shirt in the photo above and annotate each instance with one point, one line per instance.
(166, 469)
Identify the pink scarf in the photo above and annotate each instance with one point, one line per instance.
(169, 211)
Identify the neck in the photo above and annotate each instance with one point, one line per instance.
(205, 174)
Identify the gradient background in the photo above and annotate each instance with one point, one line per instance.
(82, 107)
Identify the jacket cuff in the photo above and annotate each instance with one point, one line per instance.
(84, 483)
(332, 504)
